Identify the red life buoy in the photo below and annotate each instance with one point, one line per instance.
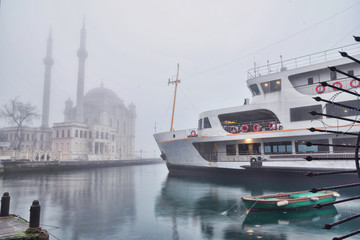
(233, 129)
(318, 89)
(272, 125)
(244, 128)
(193, 133)
(338, 83)
(256, 127)
(353, 85)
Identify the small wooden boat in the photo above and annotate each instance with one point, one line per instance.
(293, 200)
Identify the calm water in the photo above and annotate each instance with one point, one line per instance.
(144, 202)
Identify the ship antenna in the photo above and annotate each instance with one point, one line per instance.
(176, 84)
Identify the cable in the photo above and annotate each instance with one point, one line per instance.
(270, 45)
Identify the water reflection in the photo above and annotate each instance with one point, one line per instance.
(213, 207)
(145, 202)
(85, 204)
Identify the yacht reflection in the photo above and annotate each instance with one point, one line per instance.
(213, 210)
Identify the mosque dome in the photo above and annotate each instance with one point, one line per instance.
(101, 93)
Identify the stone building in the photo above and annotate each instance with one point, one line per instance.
(99, 127)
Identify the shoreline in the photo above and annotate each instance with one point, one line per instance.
(27, 166)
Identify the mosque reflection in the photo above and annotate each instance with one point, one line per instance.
(83, 204)
(214, 206)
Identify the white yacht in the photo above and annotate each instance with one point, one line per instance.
(270, 132)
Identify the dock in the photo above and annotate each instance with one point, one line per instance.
(13, 227)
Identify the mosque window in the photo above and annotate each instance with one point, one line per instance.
(106, 136)
(68, 133)
(57, 133)
(81, 133)
(63, 133)
(90, 134)
(97, 134)
(76, 133)
(85, 134)
(102, 135)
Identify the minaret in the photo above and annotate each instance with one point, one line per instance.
(82, 55)
(48, 61)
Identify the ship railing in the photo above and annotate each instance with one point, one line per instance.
(253, 126)
(302, 61)
(277, 157)
(316, 88)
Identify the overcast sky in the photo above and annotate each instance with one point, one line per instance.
(134, 47)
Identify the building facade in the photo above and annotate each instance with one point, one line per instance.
(99, 127)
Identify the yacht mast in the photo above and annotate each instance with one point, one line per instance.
(176, 84)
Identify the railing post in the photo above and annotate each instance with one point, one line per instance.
(34, 215)
(5, 205)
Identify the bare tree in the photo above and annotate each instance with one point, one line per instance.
(17, 113)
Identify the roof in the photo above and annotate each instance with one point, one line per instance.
(101, 93)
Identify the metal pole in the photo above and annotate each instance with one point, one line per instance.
(173, 111)
(34, 215)
(5, 204)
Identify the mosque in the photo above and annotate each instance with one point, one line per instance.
(99, 127)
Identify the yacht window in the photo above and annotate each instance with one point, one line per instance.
(340, 111)
(231, 150)
(345, 142)
(278, 147)
(272, 86)
(253, 148)
(303, 113)
(300, 146)
(207, 150)
(351, 72)
(332, 75)
(207, 123)
(254, 89)
(200, 124)
(310, 81)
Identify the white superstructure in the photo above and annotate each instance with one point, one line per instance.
(272, 130)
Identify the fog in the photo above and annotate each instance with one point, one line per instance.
(134, 47)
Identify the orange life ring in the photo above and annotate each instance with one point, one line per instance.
(339, 83)
(272, 125)
(193, 133)
(256, 127)
(244, 128)
(233, 129)
(318, 90)
(352, 83)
